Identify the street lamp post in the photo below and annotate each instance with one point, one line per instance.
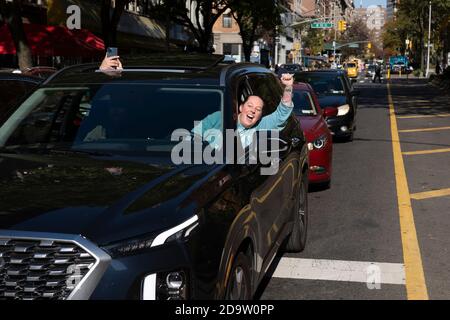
(429, 41)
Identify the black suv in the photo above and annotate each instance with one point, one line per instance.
(337, 98)
(93, 207)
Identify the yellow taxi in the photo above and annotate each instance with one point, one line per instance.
(352, 69)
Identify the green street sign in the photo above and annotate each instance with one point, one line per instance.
(322, 25)
(353, 45)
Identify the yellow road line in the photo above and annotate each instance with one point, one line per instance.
(416, 288)
(425, 129)
(431, 194)
(442, 115)
(412, 153)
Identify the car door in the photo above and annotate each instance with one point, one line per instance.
(271, 196)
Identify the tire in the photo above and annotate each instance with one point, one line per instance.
(297, 239)
(239, 282)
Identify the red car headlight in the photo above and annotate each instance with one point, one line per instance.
(320, 142)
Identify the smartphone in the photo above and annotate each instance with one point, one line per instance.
(111, 52)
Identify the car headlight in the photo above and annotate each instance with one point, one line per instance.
(343, 110)
(134, 246)
(320, 142)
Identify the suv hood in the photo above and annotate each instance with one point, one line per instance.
(105, 199)
(332, 101)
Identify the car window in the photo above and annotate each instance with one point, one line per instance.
(303, 103)
(12, 92)
(113, 117)
(268, 88)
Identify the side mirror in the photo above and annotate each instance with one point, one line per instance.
(330, 112)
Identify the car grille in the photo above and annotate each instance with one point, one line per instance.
(41, 269)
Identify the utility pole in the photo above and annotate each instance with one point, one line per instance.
(335, 31)
(277, 39)
(429, 42)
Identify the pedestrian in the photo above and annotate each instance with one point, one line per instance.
(438, 67)
(377, 73)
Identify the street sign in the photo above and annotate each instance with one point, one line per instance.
(322, 25)
(353, 45)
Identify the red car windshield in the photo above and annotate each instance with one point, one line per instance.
(303, 103)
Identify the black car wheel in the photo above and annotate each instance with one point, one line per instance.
(239, 285)
(297, 239)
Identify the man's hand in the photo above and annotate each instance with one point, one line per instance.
(111, 64)
(287, 80)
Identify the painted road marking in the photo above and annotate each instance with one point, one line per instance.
(424, 129)
(338, 270)
(416, 288)
(412, 153)
(431, 194)
(442, 115)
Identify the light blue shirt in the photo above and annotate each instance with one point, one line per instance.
(274, 121)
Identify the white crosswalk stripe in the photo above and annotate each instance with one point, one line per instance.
(340, 270)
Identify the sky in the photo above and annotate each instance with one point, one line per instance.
(367, 3)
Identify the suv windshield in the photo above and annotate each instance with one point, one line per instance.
(323, 83)
(119, 117)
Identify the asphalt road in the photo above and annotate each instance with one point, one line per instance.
(361, 243)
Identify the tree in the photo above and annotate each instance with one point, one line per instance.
(314, 40)
(358, 31)
(412, 22)
(12, 15)
(111, 21)
(204, 14)
(254, 20)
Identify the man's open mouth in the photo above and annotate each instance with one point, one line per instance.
(250, 117)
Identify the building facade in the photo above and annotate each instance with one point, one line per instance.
(227, 40)
(391, 9)
(375, 18)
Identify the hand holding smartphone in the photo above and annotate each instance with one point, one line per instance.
(111, 61)
(111, 52)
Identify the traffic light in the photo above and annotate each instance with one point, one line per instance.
(342, 25)
(369, 45)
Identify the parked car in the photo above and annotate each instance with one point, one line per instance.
(337, 98)
(40, 71)
(311, 117)
(113, 216)
(14, 88)
(352, 69)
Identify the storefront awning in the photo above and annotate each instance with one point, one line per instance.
(54, 41)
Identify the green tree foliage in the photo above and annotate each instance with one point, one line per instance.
(204, 14)
(412, 23)
(314, 41)
(358, 31)
(254, 20)
(111, 21)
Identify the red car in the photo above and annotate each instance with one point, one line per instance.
(311, 117)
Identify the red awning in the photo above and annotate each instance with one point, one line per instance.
(54, 41)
